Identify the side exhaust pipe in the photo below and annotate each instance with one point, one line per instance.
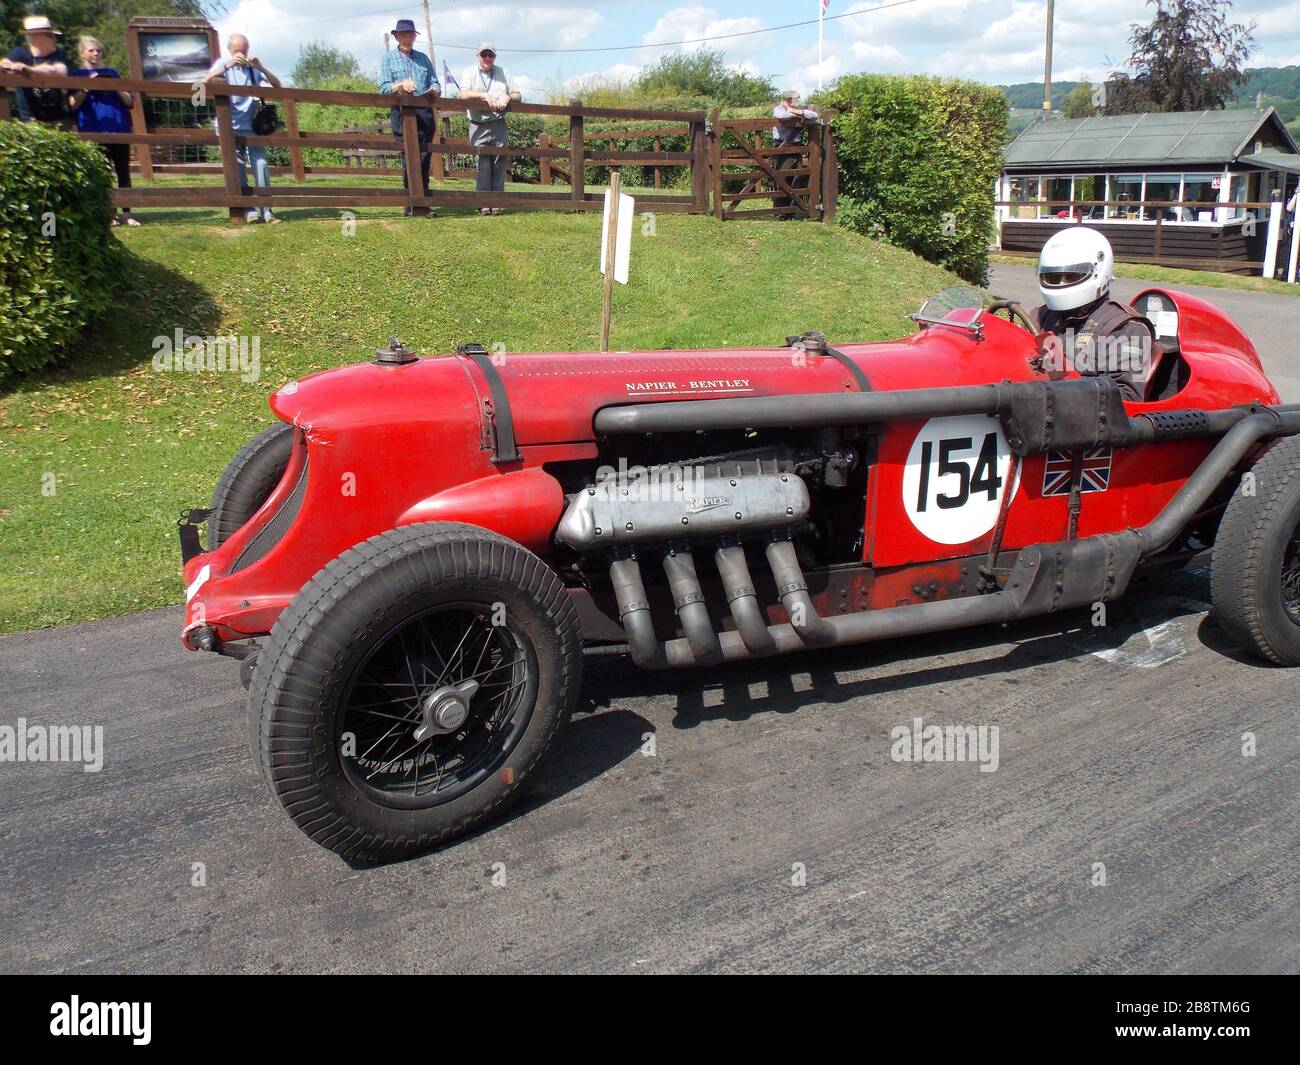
(743, 600)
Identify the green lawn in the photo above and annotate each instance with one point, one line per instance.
(126, 447)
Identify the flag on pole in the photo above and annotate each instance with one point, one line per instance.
(448, 80)
(821, 14)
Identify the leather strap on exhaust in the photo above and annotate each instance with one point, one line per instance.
(502, 423)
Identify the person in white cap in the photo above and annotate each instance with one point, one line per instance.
(490, 85)
(40, 55)
(789, 133)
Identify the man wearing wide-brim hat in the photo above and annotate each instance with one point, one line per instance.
(40, 55)
(492, 88)
(406, 73)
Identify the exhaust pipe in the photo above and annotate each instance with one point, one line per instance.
(743, 600)
(692, 612)
(790, 586)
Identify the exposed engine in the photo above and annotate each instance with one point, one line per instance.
(780, 499)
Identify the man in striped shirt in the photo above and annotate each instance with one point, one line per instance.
(406, 72)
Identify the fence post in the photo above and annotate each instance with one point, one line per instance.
(4, 105)
(441, 163)
(411, 160)
(814, 186)
(831, 170)
(659, 147)
(143, 152)
(436, 164)
(699, 169)
(230, 165)
(1274, 231)
(577, 174)
(544, 161)
(715, 161)
(295, 152)
(1295, 252)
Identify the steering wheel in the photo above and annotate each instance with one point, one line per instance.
(1014, 311)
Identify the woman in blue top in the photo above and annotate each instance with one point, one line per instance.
(104, 112)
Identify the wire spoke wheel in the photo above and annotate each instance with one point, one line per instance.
(1291, 578)
(413, 687)
(436, 705)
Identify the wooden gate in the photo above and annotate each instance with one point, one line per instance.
(753, 178)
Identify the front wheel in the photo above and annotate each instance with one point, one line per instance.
(247, 481)
(412, 687)
(1255, 579)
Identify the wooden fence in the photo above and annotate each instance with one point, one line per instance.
(563, 167)
(1245, 237)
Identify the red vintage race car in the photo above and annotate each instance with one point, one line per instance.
(414, 560)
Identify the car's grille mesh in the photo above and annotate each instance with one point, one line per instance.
(274, 529)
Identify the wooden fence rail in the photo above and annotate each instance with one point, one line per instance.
(703, 158)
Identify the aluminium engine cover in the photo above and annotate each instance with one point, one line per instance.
(684, 504)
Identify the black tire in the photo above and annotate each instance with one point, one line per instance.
(246, 482)
(334, 667)
(1255, 581)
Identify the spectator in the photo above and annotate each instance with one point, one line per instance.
(407, 72)
(40, 55)
(490, 85)
(104, 112)
(243, 68)
(788, 133)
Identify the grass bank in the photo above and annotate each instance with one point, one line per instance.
(96, 460)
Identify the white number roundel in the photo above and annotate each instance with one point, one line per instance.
(955, 478)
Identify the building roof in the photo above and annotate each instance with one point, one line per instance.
(1187, 137)
(1272, 160)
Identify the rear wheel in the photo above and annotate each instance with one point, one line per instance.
(1255, 581)
(412, 687)
(247, 481)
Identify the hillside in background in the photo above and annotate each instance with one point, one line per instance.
(1280, 87)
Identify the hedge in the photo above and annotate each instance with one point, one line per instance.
(58, 257)
(919, 158)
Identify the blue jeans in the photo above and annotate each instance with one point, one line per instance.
(254, 159)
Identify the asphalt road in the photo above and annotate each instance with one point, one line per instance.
(1121, 746)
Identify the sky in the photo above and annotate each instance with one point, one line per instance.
(559, 46)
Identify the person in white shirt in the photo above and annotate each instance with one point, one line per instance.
(489, 85)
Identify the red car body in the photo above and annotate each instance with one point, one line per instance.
(392, 445)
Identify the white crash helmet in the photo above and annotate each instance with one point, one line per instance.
(1075, 268)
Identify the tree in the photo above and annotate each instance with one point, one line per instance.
(1079, 104)
(1189, 58)
(703, 73)
(319, 62)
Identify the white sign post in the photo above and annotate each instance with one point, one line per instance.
(615, 247)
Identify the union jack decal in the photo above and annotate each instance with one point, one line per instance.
(1096, 472)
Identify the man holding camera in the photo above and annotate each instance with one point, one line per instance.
(244, 68)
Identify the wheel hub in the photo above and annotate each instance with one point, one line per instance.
(445, 709)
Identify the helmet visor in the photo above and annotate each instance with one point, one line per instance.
(1064, 276)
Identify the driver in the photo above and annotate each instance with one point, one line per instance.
(1095, 334)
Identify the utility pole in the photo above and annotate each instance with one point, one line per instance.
(428, 32)
(1047, 62)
